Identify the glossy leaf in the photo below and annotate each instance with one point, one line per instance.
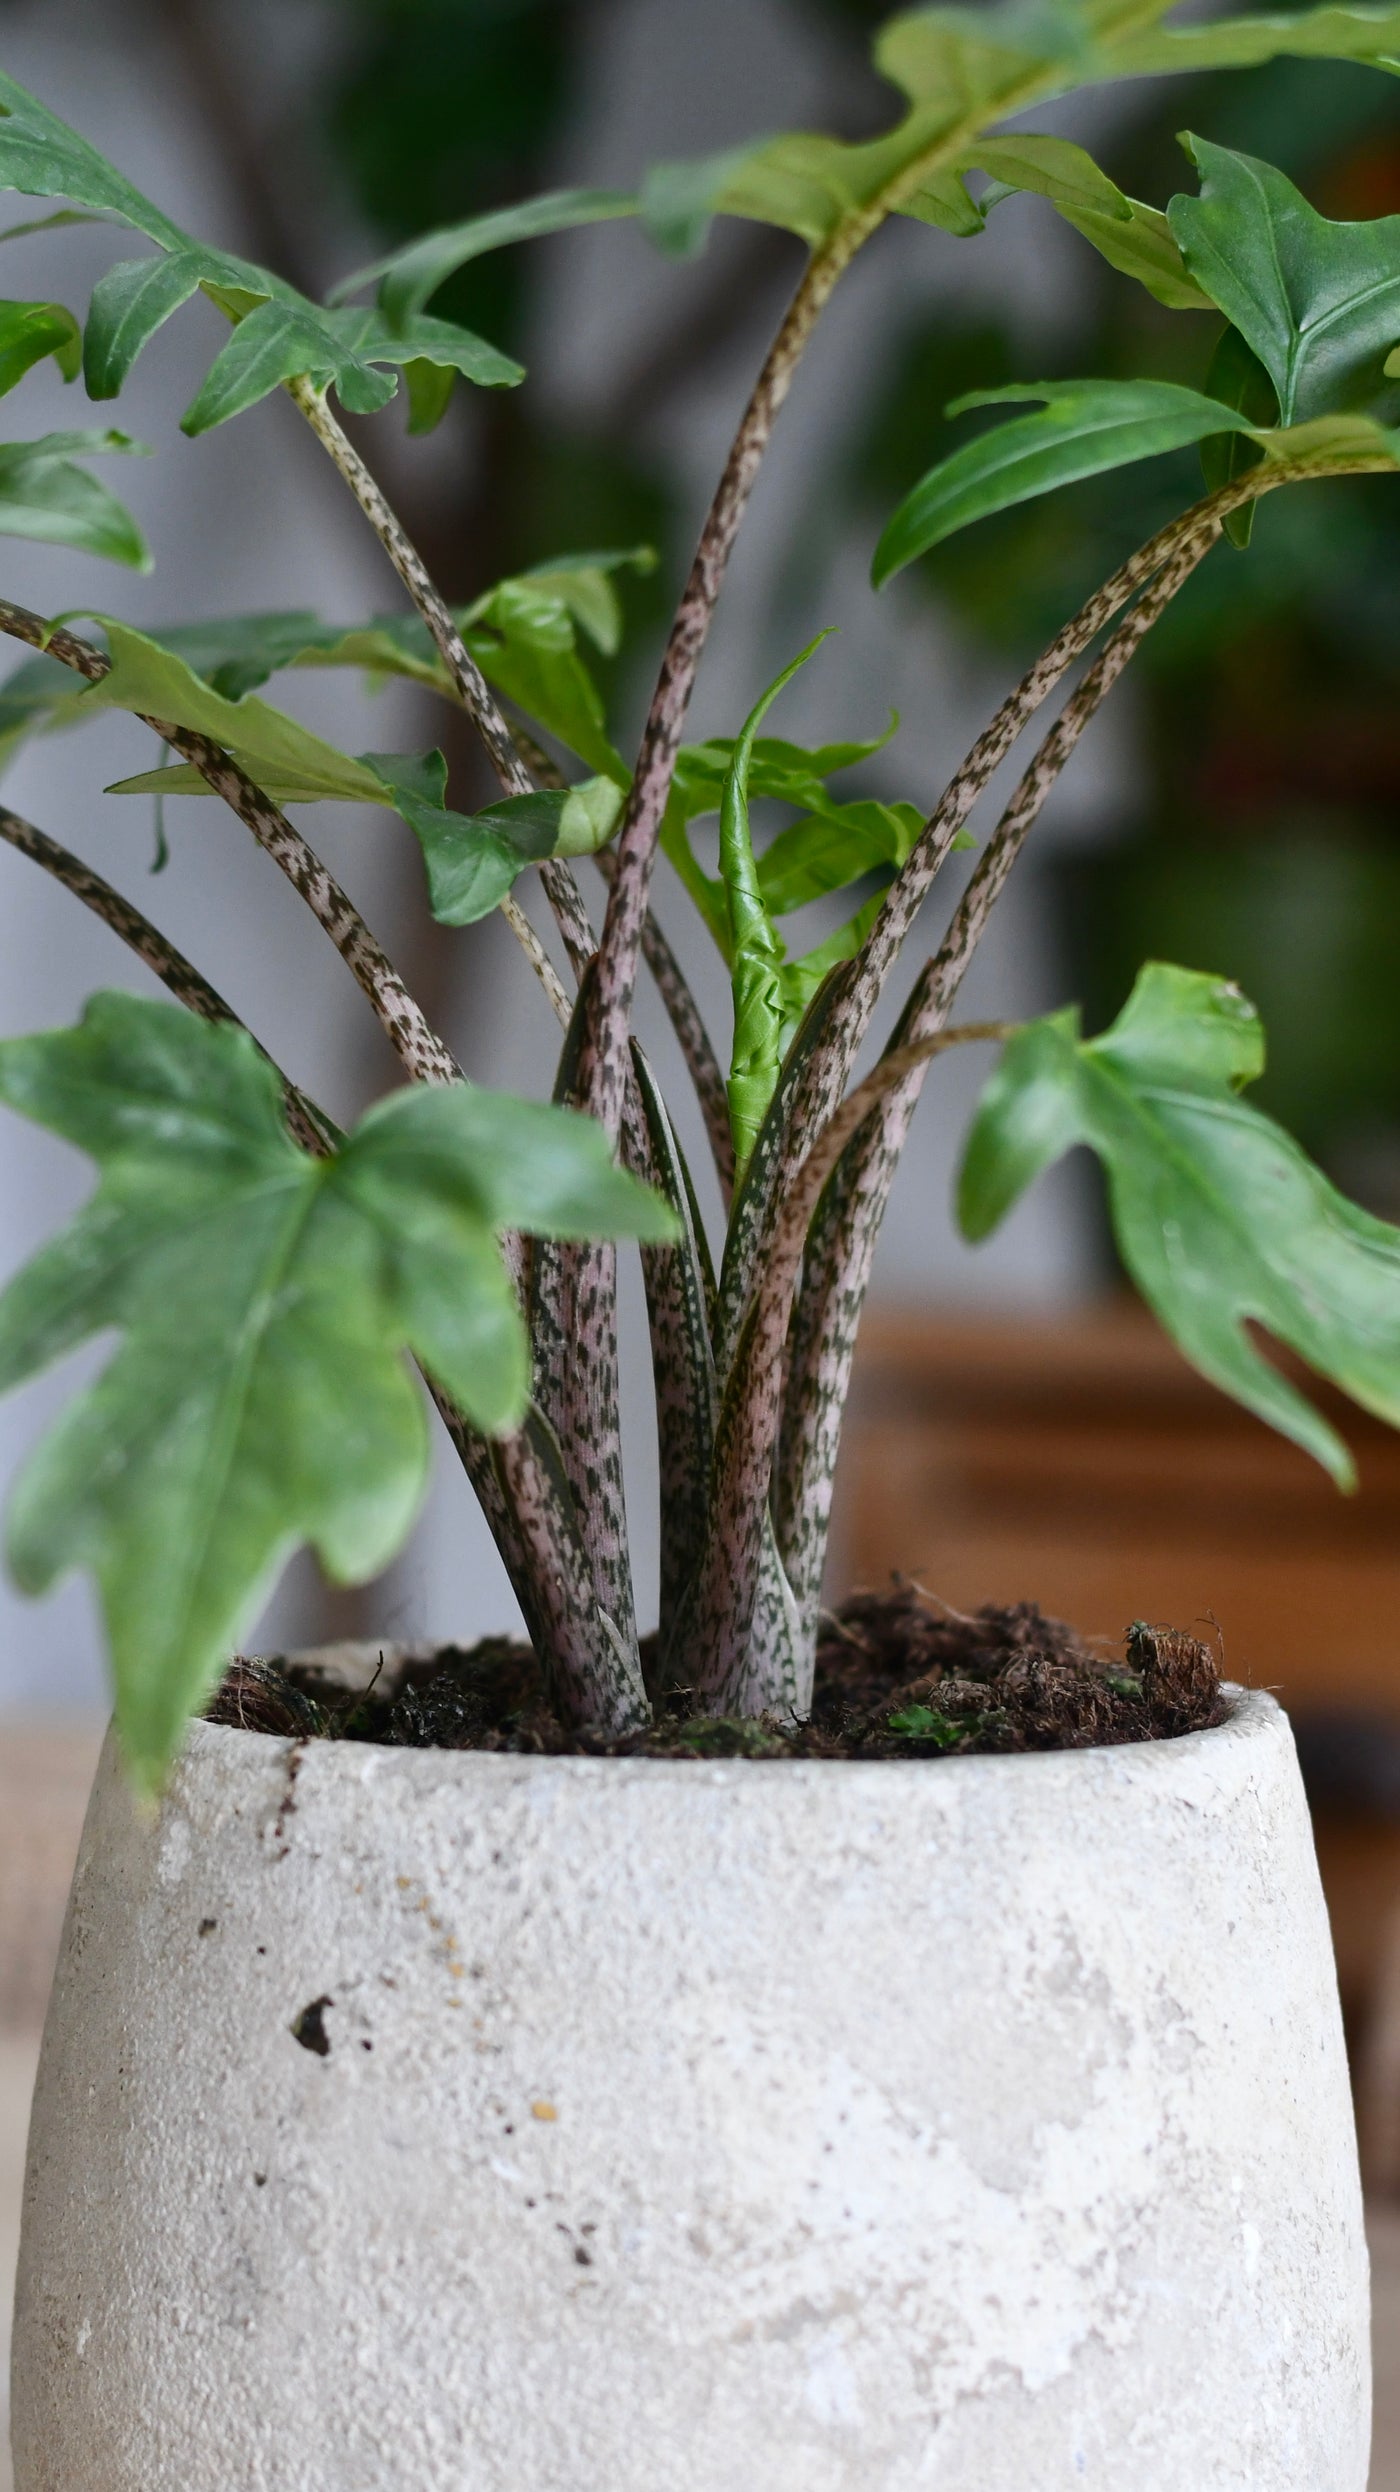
(46, 495)
(259, 1397)
(1318, 302)
(1084, 429)
(128, 305)
(795, 774)
(472, 859)
(836, 845)
(523, 636)
(1220, 1217)
(408, 278)
(29, 332)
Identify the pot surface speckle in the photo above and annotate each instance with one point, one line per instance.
(414, 2122)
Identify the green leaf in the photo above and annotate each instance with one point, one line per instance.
(49, 224)
(1220, 1218)
(833, 846)
(473, 859)
(279, 335)
(793, 774)
(284, 757)
(1135, 239)
(1318, 302)
(259, 1396)
(128, 305)
(585, 586)
(277, 343)
(522, 635)
(41, 155)
(409, 277)
(1086, 427)
(755, 947)
(1238, 379)
(29, 332)
(45, 495)
(38, 697)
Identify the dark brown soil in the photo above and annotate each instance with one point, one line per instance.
(898, 1675)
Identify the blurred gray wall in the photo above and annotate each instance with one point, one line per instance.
(252, 517)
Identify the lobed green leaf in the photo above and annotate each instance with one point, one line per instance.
(259, 1396)
(1318, 302)
(1220, 1217)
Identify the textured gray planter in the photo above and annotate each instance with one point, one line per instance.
(978, 2126)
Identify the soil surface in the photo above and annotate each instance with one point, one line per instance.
(898, 1675)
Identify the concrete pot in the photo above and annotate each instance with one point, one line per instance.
(414, 2122)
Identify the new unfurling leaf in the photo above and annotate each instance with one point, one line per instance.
(755, 947)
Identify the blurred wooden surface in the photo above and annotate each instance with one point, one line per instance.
(1078, 1461)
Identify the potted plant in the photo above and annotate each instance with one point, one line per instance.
(641, 2061)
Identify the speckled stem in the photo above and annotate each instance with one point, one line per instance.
(812, 1098)
(830, 1066)
(841, 1244)
(308, 1126)
(472, 689)
(416, 1044)
(604, 1067)
(692, 1037)
(679, 1293)
(713, 1648)
(594, 1675)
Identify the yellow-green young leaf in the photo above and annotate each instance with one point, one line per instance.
(1318, 302)
(1220, 1217)
(259, 1396)
(1084, 429)
(524, 634)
